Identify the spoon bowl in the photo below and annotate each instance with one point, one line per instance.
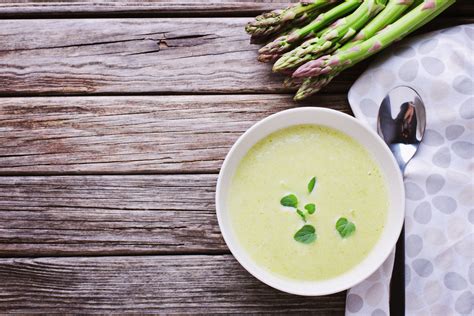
(401, 123)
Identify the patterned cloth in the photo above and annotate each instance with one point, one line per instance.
(439, 223)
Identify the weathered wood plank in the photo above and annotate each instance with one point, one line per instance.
(135, 8)
(159, 134)
(103, 215)
(189, 55)
(163, 284)
(157, 8)
(120, 56)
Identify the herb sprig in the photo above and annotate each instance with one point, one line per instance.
(345, 227)
(307, 233)
(301, 214)
(311, 184)
(289, 200)
(311, 208)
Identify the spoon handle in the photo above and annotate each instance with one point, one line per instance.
(397, 284)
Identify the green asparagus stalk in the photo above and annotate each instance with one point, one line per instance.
(324, 69)
(268, 24)
(282, 44)
(333, 37)
(393, 11)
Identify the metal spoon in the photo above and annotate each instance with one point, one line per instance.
(401, 123)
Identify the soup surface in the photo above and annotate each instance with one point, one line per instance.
(348, 184)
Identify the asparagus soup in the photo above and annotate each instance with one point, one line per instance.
(308, 202)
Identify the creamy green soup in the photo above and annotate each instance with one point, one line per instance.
(348, 184)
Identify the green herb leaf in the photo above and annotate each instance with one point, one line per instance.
(306, 234)
(345, 227)
(311, 208)
(300, 213)
(311, 184)
(290, 200)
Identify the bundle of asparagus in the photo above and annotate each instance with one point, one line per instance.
(333, 40)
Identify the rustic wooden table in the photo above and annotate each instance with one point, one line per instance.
(114, 121)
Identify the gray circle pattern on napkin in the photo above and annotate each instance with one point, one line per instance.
(439, 225)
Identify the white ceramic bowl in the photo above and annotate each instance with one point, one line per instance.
(365, 136)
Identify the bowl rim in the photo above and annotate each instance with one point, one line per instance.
(251, 266)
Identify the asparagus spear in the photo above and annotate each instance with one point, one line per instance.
(282, 44)
(393, 11)
(270, 23)
(325, 68)
(335, 35)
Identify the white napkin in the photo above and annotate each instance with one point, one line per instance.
(439, 222)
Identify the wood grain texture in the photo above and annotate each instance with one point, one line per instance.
(103, 215)
(111, 56)
(154, 134)
(155, 215)
(133, 56)
(151, 8)
(155, 8)
(164, 284)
